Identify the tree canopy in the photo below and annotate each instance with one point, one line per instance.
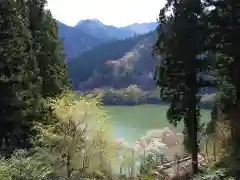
(183, 61)
(28, 73)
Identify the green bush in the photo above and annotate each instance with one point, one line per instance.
(214, 174)
(24, 166)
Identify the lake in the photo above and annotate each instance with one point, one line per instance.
(132, 122)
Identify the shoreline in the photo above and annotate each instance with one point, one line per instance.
(133, 96)
(202, 106)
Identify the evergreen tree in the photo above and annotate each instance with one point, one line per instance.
(181, 45)
(225, 42)
(19, 81)
(49, 50)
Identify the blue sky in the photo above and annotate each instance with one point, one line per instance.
(110, 12)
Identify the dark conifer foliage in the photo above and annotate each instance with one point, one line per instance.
(49, 50)
(32, 66)
(197, 27)
(19, 77)
(225, 42)
(181, 45)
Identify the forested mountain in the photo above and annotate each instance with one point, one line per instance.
(115, 64)
(76, 41)
(118, 64)
(90, 33)
(97, 29)
(141, 28)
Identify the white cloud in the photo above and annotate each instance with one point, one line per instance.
(110, 12)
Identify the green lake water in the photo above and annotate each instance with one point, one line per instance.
(132, 122)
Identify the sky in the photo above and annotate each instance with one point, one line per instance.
(110, 12)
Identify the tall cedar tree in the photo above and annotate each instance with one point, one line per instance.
(225, 41)
(19, 81)
(49, 50)
(181, 39)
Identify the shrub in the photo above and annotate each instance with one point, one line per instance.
(25, 166)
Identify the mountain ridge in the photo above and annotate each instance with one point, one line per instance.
(92, 25)
(88, 33)
(76, 41)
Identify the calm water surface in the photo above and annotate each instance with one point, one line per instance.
(132, 122)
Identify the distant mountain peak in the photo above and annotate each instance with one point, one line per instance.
(89, 21)
(96, 20)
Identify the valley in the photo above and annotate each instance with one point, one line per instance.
(119, 68)
(118, 64)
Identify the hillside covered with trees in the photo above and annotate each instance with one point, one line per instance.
(120, 65)
(115, 64)
(76, 41)
(89, 33)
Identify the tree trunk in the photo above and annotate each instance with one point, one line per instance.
(121, 169)
(194, 120)
(206, 146)
(235, 134)
(214, 146)
(69, 169)
(133, 165)
(194, 142)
